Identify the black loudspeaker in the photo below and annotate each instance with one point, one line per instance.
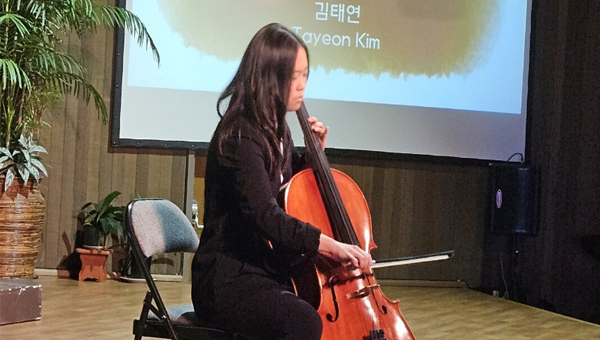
(514, 199)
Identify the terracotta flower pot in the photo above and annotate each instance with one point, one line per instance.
(21, 217)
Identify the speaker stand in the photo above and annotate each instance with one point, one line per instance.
(512, 284)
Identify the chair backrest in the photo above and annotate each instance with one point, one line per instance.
(157, 226)
(160, 227)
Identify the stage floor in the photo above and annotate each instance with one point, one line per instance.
(93, 310)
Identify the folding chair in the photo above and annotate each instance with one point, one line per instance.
(157, 226)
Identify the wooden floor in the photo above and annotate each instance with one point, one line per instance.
(93, 310)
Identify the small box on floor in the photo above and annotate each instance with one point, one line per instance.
(20, 300)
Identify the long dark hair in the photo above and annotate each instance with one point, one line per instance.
(260, 88)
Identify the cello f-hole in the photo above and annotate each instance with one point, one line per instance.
(330, 317)
(382, 308)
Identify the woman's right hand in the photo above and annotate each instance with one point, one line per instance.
(343, 252)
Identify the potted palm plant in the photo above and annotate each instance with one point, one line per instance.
(36, 70)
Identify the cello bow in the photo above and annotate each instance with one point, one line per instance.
(401, 261)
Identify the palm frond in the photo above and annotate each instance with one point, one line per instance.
(47, 61)
(113, 16)
(18, 21)
(34, 70)
(77, 85)
(12, 73)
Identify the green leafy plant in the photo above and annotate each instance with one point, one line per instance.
(103, 218)
(24, 160)
(36, 69)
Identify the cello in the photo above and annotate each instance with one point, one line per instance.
(350, 302)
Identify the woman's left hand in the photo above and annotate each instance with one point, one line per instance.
(320, 129)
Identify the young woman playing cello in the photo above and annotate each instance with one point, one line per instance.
(241, 271)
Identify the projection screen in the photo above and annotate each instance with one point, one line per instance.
(424, 77)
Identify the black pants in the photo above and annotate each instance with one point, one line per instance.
(272, 314)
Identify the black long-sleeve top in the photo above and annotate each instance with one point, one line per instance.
(243, 222)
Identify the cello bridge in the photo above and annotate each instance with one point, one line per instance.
(360, 293)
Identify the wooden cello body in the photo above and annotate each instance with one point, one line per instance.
(351, 303)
